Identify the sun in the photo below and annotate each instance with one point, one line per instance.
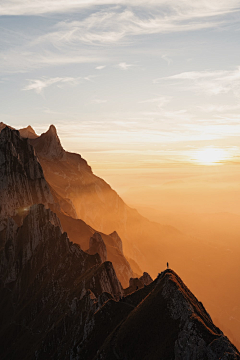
(210, 156)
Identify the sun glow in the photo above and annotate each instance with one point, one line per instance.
(210, 156)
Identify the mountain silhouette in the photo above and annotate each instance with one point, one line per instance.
(58, 301)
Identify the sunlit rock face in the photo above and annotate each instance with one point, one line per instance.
(21, 177)
(48, 145)
(28, 132)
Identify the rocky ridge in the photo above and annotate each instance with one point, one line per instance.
(97, 246)
(44, 278)
(23, 184)
(60, 302)
(147, 245)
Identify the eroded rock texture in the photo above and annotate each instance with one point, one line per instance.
(22, 182)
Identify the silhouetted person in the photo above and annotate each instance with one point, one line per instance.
(136, 287)
(167, 265)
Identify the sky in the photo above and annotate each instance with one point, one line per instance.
(128, 84)
(148, 92)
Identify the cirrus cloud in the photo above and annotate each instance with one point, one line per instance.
(38, 85)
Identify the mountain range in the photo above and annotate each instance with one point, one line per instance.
(72, 256)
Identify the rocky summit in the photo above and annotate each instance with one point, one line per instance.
(67, 290)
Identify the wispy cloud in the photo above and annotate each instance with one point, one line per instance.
(24, 59)
(33, 7)
(100, 67)
(210, 82)
(109, 24)
(121, 23)
(38, 85)
(167, 59)
(124, 66)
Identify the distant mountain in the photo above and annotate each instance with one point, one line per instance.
(147, 245)
(60, 302)
(22, 184)
(94, 200)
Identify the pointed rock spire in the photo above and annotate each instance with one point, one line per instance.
(48, 145)
(97, 245)
(118, 240)
(2, 126)
(28, 132)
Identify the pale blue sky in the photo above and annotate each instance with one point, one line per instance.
(124, 82)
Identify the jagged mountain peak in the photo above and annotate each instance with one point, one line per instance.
(28, 132)
(48, 145)
(3, 125)
(21, 171)
(52, 130)
(114, 235)
(59, 302)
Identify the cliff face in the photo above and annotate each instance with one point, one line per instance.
(45, 278)
(97, 245)
(22, 182)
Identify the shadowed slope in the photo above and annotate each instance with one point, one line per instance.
(23, 184)
(169, 323)
(44, 277)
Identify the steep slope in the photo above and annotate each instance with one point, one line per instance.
(80, 233)
(21, 177)
(44, 277)
(22, 184)
(147, 244)
(95, 201)
(59, 302)
(174, 325)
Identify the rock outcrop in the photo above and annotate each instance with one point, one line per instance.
(48, 145)
(28, 132)
(97, 245)
(118, 240)
(44, 279)
(22, 182)
(138, 283)
(146, 278)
